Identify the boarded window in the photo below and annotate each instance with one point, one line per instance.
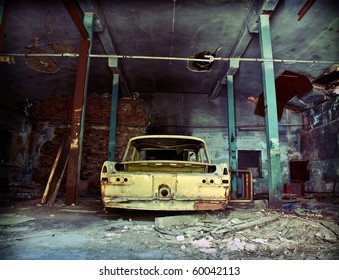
(250, 160)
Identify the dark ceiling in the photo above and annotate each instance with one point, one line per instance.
(165, 28)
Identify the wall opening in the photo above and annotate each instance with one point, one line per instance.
(299, 171)
(250, 160)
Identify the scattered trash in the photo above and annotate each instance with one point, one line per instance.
(250, 247)
(165, 222)
(235, 244)
(180, 237)
(260, 240)
(225, 257)
(289, 207)
(204, 242)
(208, 250)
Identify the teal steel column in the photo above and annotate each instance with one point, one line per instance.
(89, 25)
(231, 133)
(113, 63)
(271, 119)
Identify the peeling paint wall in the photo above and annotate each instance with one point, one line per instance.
(16, 171)
(320, 145)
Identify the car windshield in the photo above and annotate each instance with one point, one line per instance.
(173, 149)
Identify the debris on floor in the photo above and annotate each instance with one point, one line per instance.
(252, 234)
(305, 231)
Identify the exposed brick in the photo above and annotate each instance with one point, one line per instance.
(131, 121)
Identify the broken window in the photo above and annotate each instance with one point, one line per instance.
(250, 160)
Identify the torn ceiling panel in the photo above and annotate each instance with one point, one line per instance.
(327, 81)
(287, 85)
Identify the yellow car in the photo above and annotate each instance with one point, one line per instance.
(165, 172)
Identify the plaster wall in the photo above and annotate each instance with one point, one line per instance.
(196, 115)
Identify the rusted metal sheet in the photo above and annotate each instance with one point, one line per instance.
(77, 128)
(209, 206)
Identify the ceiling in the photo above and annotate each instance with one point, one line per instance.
(164, 28)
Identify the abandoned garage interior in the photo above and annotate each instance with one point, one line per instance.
(258, 80)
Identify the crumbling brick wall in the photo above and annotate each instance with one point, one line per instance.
(53, 122)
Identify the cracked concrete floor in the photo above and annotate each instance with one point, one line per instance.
(32, 231)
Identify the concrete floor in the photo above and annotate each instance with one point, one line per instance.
(31, 231)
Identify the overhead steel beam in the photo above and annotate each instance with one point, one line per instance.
(271, 119)
(233, 164)
(113, 64)
(76, 18)
(305, 9)
(79, 105)
(244, 37)
(106, 37)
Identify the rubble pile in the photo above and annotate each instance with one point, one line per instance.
(254, 235)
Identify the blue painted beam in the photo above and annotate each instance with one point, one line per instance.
(271, 119)
(113, 63)
(89, 25)
(233, 164)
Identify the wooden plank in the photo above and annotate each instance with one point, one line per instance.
(57, 172)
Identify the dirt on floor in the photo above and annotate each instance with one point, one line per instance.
(307, 229)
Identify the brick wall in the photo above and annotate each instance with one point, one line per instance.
(53, 117)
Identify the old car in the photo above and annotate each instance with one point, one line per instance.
(165, 172)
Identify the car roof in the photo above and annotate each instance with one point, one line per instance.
(167, 140)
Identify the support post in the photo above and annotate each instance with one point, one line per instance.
(78, 117)
(271, 119)
(3, 18)
(233, 165)
(113, 64)
(89, 25)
